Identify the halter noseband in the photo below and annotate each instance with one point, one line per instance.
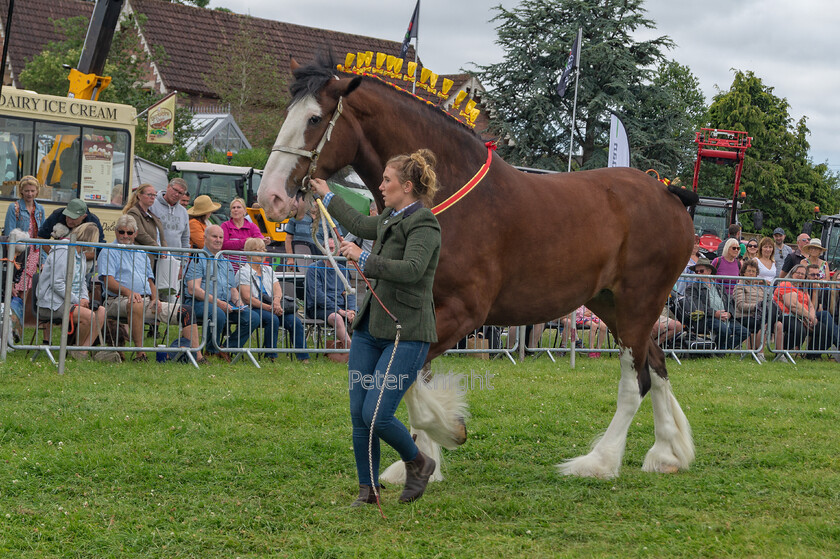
(315, 153)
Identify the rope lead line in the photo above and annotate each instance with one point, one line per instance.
(326, 215)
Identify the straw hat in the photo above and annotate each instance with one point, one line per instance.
(815, 243)
(203, 205)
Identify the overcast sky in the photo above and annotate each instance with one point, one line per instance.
(789, 45)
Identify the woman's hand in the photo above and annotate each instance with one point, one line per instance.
(320, 186)
(349, 250)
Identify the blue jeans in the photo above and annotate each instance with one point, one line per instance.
(825, 333)
(729, 334)
(270, 323)
(368, 362)
(246, 322)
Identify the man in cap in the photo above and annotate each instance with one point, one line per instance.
(796, 257)
(780, 249)
(63, 220)
(709, 310)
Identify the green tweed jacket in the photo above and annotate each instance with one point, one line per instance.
(401, 268)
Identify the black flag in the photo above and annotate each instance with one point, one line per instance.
(570, 66)
(411, 32)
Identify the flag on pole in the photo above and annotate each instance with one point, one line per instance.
(411, 32)
(570, 65)
(161, 121)
(619, 154)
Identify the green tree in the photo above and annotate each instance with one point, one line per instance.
(248, 79)
(779, 177)
(616, 75)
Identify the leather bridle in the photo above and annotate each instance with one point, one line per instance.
(315, 153)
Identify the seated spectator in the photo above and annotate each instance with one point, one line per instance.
(18, 278)
(226, 308)
(131, 291)
(798, 314)
(711, 309)
(63, 220)
(826, 332)
(199, 214)
(237, 230)
(584, 318)
(262, 292)
(681, 284)
(748, 297)
(299, 231)
(327, 300)
(50, 292)
(666, 329)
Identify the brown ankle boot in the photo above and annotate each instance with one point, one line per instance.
(417, 474)
(366, 496)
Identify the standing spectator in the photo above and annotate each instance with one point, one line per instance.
(734, 232)
(780, 249)
(826, 332)
(327, 300)
(712, 308)
(63, 220)
(149, 227)
(167, 207)
(299, 230)
(752, 250)
(199, 214)
(185, 200)
(25, 215)
(812, 251)
(728, 265)
(766, 265)
(262, 292)
(796, 257)
(227, 307)
(237, 230)
(51, 287)
(364, 244)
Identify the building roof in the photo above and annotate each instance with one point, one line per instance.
(190, 55)
(32, 28)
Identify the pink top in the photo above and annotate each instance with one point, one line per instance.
(235, 237)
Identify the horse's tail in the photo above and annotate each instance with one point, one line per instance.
(687, 197)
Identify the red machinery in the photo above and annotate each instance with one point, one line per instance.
(725, 147)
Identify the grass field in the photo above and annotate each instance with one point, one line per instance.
(170, 461)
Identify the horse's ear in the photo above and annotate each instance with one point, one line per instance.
(354, 83)
(293, 64)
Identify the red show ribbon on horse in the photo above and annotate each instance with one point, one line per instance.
(467, 188)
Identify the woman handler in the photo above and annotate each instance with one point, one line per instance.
(403, 263)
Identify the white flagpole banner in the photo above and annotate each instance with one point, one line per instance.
(619, 154)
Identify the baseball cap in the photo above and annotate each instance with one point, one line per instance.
(778, 231)
(75, 209)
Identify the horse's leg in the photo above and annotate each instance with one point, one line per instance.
(604, 460)
(673, 449)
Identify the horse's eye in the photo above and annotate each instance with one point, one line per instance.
(313, 120)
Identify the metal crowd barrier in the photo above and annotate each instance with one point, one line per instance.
(756, 324)
(296, 283)
(110, 333)
(489, 341)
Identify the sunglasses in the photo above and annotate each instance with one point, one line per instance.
(122, 232)
(752, 246)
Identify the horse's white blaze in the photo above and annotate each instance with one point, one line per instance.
(604, 460)
(673, 449)
(273, 195)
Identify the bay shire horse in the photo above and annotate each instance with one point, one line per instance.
(517, 249)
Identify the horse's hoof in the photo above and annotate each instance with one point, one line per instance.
(461, 432)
